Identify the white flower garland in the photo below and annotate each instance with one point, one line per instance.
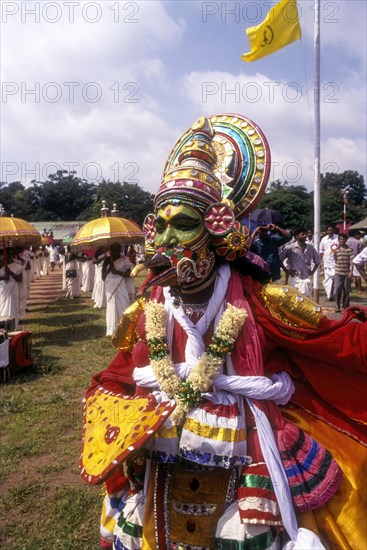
(200, 380)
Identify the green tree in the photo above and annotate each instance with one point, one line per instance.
(131, 200)
(332, 188)
(62, 197)
(294, 202)
(297, 204)
(12, 199)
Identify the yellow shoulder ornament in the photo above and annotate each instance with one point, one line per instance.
(288, 305)
(125, 335)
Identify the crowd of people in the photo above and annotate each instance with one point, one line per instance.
(340, 256)
(106, 275)
(19, 267)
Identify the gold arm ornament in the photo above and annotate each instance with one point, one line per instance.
(136, 270)
(125, 335)
(289, 306)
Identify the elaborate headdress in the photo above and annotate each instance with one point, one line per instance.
(189, 175)
(220, 166)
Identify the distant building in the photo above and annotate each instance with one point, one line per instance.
(59, 229)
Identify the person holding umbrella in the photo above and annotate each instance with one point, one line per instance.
(265, 242)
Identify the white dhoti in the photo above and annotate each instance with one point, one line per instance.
(304, 286)
(72, 283)
(98, 295)
(87, 276)
(117, 296)
(328, 282)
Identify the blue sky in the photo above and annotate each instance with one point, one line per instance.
(116, 83)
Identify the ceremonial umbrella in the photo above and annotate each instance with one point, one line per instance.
(264, 216)
(15, 231)
(69, 237)
(106, 231)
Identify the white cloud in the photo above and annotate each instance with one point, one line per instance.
(151, 90)
(285, 113)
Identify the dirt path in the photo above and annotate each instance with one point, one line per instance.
(46, 289)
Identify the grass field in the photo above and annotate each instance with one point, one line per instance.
(44, 502)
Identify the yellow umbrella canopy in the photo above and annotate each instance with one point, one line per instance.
(108, 230)
(15, 231)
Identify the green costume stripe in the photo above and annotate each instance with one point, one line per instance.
(130, 529)
(228, 544)
(261, 482)
(260, 542)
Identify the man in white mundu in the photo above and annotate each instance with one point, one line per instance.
(328, 245)
(117, 296)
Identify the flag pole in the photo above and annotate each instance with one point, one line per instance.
(316, 203)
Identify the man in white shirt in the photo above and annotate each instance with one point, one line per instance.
(328, 245)
(360, 262)
(355, 244)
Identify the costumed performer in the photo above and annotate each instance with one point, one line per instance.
(184, 426)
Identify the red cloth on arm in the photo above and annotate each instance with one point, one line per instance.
(116, 377)
(329, 363)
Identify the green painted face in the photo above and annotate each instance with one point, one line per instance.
(178, 225)
(181, 237)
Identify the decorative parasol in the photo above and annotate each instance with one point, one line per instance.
(107, 230)
(15, 231)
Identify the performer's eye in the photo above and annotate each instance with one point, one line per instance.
(160, 228)
(187, 225)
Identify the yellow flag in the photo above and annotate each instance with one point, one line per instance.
(279, 28)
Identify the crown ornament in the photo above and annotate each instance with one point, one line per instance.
(221, 167)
